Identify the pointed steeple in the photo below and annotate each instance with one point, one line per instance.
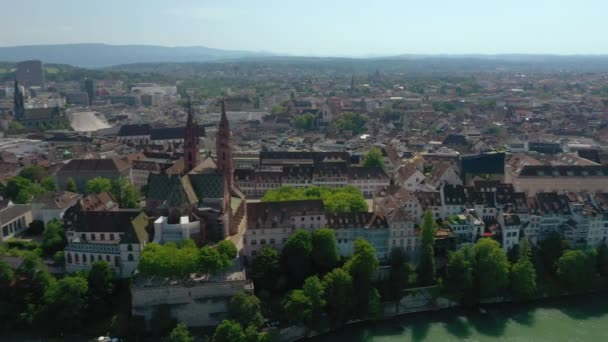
(223, 148)
(191, 141)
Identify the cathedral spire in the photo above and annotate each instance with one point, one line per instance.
(224, 147)
(191, 141)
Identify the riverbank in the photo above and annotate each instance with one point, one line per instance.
(578, 317)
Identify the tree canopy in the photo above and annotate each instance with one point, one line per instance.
(523, 274)
(265, 269)
(345, 199)
(491, 267)
(305, 122)
(325, 253)
(70, 185)
(361, 266)
(98, 185)
(339, 295)
(296, 257)
(245, 309)
(373, 158)
(350, 121)
(179, 334)
(576, 269)
(168, 260)
(426, 265)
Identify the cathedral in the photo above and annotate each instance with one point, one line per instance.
(196, 198)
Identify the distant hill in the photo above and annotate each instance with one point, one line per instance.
(103, 55)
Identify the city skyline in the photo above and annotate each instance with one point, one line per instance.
(314, 28)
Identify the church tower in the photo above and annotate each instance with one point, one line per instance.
(224, 148)
(191, 142)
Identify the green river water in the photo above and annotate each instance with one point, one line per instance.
(583, 318)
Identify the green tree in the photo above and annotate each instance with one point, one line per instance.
(305, 122)
(211, 261)
(49, 184)
(325, 253)
(245, 309)
(345, 199)
(351, 122)
(179, 334)
(228, 251)
(34, 174)
(402, 272)
(426, 265)
(374, 158)
(602, 260)
(6, 275)
(265, 269)
(375, 303)
(576, 269)
(98, 185)
(126, 194)
(459, 280)
(54, 238)
(298, 307)
(70, 185)
(65, 304)
(100, 281)
(491, 268)
(523, 274)
(551, 249)
(169, 260)
(313, 289)
(296, 257)
(229, 331)
(361, 266)
(339, 295)
(36, 227)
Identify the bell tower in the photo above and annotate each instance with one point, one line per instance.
(191, 142)
(224, 148)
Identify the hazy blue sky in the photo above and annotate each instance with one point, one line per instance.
(317, 27)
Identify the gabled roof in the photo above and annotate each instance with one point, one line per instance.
(95, 248)
(278, 214)
(105, 221)
(11, 212)
(136, 233)
(171, 133)
(207, 185)
(492, 163)
(95, 165)
(134, 129)
(455, 139)
(57, 200)
(356, 220)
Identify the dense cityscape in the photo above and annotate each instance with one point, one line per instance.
(277, 199)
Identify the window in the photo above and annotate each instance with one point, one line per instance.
(272, 241)
(69, 258)
(77, 258)
(130, 248)
(111, 236)
(84, 258)
(263, 242)
(98, 257)
(92, 237)
(116, 261)
(83, 236)
(284, 240)
(253, 253)
(103, 237)
(254, 242)
(130, 258)
(107, 258)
